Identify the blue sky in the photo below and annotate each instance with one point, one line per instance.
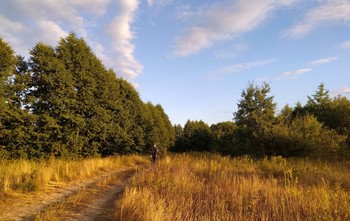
(195, 57)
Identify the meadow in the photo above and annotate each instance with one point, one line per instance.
(213, 187)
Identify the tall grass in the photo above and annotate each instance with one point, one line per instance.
(211, 187)
(26, 176)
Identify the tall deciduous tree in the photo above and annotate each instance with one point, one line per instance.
(224, 134)
(198, 136)
(158, 127)
(53, 95)
(14, 121)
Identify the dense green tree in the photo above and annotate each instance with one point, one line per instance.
(158, 128)
(15, 123)
(53, 97)
(131, 116)
(7, 68)
(340, 116)
(319, 104)
(63, 102)
(197, 136)
(255, 117)
(169, 131)
(332, 113)
(321, 96)
(304, 136)
(179, 145)
(78, 58)
(109, 136)
(224, 134)
(286, 113)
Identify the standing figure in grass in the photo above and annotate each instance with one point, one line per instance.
(154, 152)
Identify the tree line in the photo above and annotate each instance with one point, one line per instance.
(63, 102)
(320, 128)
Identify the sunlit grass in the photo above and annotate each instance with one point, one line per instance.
(211, 187)
(27, 176)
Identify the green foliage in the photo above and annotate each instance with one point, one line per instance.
(179, 139)
(158, 128)
(332, 113)
(224, 134)
(303, 136)
(15, 122)
(254, 118)
(320, 129)
(197, 136)
(63, 102)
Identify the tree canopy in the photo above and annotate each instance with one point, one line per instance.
(63, 102)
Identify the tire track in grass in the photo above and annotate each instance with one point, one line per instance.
(92, 200)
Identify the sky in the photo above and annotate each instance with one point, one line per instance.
(194, 57)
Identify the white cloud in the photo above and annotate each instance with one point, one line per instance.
(345, 91)
(301, 71)
(221, 21)
(51, 31)
(345, 45)
(10, 30)
(159, 2)
(323, 61)
(27, 22)
(239, 67)
(121, 36)
(328, 11)
(24, 23)
(294, 73)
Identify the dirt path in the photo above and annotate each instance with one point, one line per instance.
(93, 199)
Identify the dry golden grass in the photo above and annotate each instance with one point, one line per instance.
(211, 187)
(27, 176)
(93, 202)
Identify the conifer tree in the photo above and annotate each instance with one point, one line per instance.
(255, 117)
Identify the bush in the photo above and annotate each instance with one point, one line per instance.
(304, 136)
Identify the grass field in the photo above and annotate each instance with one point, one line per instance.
(212, 187)
(27, 176)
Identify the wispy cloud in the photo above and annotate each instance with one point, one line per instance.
(159, 2)
(328, 11)
(345, 45)
(345, 91)
(24, 23)
(221, 21)
(301, 71)
(121, 35)
(293, 73)
(323, 61)
(235, 68)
